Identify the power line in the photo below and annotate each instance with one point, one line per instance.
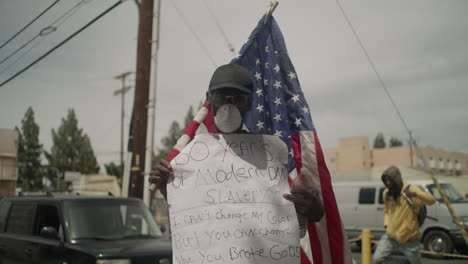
(63, 42)
(220, 28)
(49, 29)
(187, 24)
(373, 67)
(65, 17)
(32, 21)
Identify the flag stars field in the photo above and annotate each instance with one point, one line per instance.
(277, 117)
(292, 75)
(258, 76)
(260, 108)
(277, 101)
(260, 125)
(295, 98)
(277, 68)
(298, 122)
(277, 84)
(278, 133)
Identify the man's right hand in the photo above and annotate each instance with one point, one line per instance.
(160, 174)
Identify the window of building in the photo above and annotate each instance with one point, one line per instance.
(367, 196)
(332, 160)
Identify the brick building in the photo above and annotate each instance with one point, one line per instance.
(355, 154)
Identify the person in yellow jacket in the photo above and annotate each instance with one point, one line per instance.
(400, 219)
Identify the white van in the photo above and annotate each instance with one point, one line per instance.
(361, 207)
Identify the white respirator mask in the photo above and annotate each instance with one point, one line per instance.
(228, 118)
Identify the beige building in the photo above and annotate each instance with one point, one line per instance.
(355, 154)
(95, 184)
(8, 161)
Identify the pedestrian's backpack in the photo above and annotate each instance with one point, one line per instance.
(422, 212)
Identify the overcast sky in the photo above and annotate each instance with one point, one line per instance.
(419, 48)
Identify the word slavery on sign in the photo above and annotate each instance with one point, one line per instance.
(226, 202)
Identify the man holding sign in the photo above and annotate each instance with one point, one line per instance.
(226, 190)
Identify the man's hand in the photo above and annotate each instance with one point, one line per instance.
(160, 174)
(307, 202)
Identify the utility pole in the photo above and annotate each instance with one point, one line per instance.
(140, 120)
(152, 105)
(122, 92)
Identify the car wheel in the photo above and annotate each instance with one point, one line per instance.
(438, 241)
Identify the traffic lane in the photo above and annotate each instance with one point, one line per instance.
(356, 252)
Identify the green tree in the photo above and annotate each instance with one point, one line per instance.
(174, 133)
(71, 149)
(395, 142)
(379, 141)
(115, 170)
(30, 172)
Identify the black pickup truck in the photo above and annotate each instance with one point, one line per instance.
(77, 229)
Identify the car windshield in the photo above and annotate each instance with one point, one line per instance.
(452, 193)
(109, 220)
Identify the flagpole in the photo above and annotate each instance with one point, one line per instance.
(271, 9)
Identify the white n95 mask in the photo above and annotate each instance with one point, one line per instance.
(228, 118)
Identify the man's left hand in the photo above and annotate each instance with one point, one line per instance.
(409, 194)
(307, 202)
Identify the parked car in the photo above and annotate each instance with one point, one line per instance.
(76, 229)
(361, 207)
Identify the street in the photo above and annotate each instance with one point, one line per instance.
(425, 260)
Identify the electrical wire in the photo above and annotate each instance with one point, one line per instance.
(63, 42)
(187, 24)
(373, 66)
(32, 21)
(220, 28)
(63, 17)
(49, 29)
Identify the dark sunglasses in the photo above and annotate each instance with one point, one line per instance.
(239, 100)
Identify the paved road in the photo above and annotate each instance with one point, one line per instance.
(425, 260)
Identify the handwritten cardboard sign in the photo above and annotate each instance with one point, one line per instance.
(226, 204)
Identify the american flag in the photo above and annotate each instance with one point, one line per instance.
(279, 108)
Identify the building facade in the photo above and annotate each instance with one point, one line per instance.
(355, 154)
(8, 162)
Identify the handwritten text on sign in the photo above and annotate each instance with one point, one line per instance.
(226, 204)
